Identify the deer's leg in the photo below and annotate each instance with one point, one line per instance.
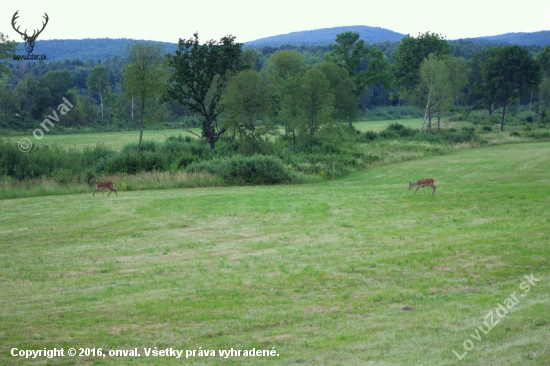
(433, 193)
(95, 192)
(424, 190)
(416, 191)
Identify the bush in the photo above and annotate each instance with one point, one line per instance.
(487, 128)
(371, 135)
(129, 163)
(401, 130)
(257, 169)
(388, 134)
(515, 134)
(325, 165)
(539, 135)
(396, 130)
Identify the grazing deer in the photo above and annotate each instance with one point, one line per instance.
(102, 185)
(423, 183)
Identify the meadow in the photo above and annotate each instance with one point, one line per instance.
(354, 271)
(378, 126)
(114, 140)
(117, 140)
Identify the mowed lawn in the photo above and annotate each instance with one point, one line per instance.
(355, 271)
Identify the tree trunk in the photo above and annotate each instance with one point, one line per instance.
(132, 107)
(141, 125)
(503, 113)
(101, 102)
(429, 122)
(294, 136)
(490, 110)
(425, 113)
(438, 122)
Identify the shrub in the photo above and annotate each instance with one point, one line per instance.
(371, 135)
(539, 135)
(515, 134)
(257, 169)
(401, 130)
(396, 130)
(388, 134)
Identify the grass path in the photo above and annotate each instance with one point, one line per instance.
(356, 271)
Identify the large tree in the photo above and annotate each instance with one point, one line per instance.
(48, 91)
(98, 84)
(348, 52)
(144, 77)
(410, 54)
(7, 48)
(543, 58)
(201, 72)
(248, 99)
(317, 101)
(345, 100)
(458, 76)
(478, 89)
(435, 88)
(510, 74)
(364, 66)
(284, 72)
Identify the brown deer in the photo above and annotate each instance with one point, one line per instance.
(29, 40)
(102, 185)
(423, 183)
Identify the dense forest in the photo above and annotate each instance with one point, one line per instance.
(30, 89)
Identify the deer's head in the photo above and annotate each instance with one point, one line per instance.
(29, 40)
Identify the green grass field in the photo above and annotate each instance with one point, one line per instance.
(117, 140)
(355, 271)
(114, 140)
(378, 126)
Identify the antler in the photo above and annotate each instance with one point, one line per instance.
(15, 16)
(35, 34)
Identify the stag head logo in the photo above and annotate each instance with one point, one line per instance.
(29, 40)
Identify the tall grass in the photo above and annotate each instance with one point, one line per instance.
(44, 186)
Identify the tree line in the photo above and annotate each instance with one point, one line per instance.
(248, 95)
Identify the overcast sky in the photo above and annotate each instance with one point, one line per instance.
(169, 20)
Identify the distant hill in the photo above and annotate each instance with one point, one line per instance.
(84, 49)
(327, 36)
(541, 38)
(104, 48)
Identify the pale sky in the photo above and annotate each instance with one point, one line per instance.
(169, 20)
